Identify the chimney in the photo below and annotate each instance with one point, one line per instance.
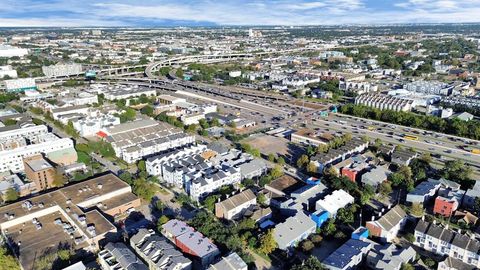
(373, 218)
(423, 217)
(434, 222)
(446, 226)
(460, 231)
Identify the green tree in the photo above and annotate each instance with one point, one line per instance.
(141, 165)
(312, 263)
(11, 195)
(160, 206)
(276, 172)
(267, 243)
(210, 201)
(407, 266)
(302, 161)
(9, 122)
(307, 246)
(203, 123)
(311, 167)
(59, 179)
(271, 157)
(7, 261)
(416, 210)
(329, 229)
(281, 161)
(147, 110)
(456, 170)
(262, 199)
(161, 220)
(385, 188)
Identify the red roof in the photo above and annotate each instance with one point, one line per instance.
(102, 134)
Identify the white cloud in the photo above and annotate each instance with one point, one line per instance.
(231, 12)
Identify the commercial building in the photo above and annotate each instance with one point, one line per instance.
(12, 181)
(20, 85)
(348, 256)
(117, 256)
(158, 252)
(39, 171)
(8, 71)
(443, 241)
(135, 140)
(293, 230)
(230, 262)
(471, 195)
(384, 102)
(72, 215)
(387, 227)
(235, 205)
(10, 51)
(190, 241)
(30, 141)
(61, 70)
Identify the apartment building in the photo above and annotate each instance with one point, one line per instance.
(357, 87)
(74, 214)
(117, 256)
(135, 140)
(384, 102)
(158, 252)
(39, 171)
(429, 87)
(91, 125)
(446, 242)
(58, 150)
(190, 241)
(200, 170)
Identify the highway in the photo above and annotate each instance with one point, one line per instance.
(441, 149)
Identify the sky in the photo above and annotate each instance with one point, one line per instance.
(145, 13)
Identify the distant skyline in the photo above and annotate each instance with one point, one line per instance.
(144, 13)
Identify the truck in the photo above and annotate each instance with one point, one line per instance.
(476, 151)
